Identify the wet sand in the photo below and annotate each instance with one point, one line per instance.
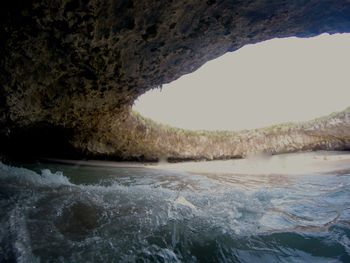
(319, 162)
(287, 164)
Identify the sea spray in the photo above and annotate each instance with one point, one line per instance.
(147, 214)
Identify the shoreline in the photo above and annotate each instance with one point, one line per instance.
(318, 162)
(287, 163)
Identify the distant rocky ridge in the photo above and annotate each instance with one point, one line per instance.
(145, 139)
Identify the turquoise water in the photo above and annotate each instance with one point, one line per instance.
(70, 213)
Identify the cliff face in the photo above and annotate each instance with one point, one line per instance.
(71, 69)
(141, 138)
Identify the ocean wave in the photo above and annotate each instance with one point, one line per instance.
(23, 175)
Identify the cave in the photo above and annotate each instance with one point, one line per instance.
(71, 70)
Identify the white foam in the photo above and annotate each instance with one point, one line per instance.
(182, 201)
(46, 177)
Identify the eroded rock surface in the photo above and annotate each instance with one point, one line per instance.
(71, 69)
(142, 138)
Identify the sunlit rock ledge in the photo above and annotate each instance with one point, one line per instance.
(70, 71)
(137, 138)
(144, 139)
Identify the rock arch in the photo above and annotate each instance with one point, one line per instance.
(71, 69)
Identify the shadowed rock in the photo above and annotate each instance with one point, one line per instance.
(70, 70)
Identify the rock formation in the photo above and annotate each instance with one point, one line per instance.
(71, 69)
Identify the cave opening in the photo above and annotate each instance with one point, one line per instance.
(272, 82)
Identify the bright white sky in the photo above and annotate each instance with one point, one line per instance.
(276, 81)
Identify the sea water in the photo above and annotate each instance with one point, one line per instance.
(170, 213)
